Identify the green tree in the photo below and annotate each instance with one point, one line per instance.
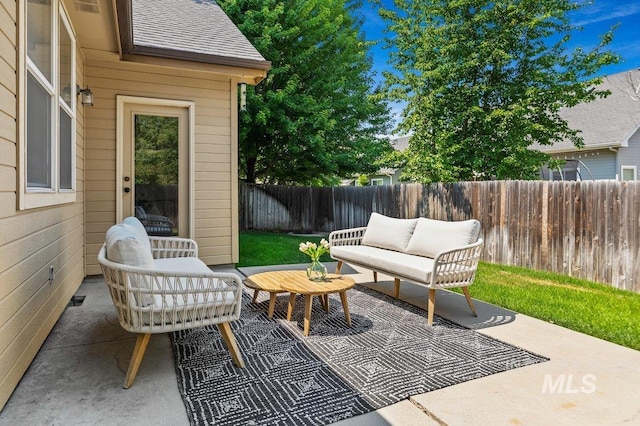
(315, 118)
(485, 79)
(363, 180)
(156, 150)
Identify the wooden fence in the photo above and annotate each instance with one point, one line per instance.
(589, 230)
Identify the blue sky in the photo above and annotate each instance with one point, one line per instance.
(595, 19)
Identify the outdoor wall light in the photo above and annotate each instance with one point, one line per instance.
(87, 95)
(243, 96)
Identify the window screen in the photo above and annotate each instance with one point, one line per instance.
(38, 135)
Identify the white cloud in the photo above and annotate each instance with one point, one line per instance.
(603, 12)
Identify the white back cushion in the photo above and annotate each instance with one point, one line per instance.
(137, 226)
(124, 245)
(433, 236)
(387, 232)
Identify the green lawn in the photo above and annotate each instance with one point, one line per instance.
(588, 307)
(268, 248)
(581, 305)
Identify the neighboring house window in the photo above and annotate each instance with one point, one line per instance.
(377, 182)
(48, 104)
(628, 172)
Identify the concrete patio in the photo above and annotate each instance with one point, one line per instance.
(77, 376)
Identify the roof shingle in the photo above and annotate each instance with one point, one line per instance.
(609, 121)
(197, 30)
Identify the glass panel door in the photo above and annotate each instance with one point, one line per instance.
(154, 172)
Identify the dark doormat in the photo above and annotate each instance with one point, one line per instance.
(389, 354)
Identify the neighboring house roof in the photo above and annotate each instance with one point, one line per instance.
(401, 144)
(607, 122)
(193, 30)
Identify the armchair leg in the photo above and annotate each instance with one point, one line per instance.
(136, 359)
(465, 290)
(396, 290)
(375, 277)
(338, 266)
(432, 305)
(227, 335)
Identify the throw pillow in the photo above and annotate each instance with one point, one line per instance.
(125, 246)
(137, 226)
(433, 236)
(388, 233)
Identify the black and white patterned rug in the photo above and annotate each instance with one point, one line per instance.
(337, 372)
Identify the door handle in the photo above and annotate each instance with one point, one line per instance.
(127, 189)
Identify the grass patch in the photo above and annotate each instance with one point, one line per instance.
(591, 308)
(588, 307)
(269, 248)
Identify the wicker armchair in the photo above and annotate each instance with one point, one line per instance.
(168, 291)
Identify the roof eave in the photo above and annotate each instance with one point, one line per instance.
(625, 141)
(199, 57)
(127, 48)
(590, 147)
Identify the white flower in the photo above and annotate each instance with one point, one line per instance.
(314, 250)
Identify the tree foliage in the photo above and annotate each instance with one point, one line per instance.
(315, 117)
(485, 79)
(156, 150)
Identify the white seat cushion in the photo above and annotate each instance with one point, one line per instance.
(416, 268)
(430, 237)
(387, 232)
(175, 267)
(180, 302)
(175, 308)
(182, 265)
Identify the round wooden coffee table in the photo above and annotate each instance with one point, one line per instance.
(296, 282)
(300, 284)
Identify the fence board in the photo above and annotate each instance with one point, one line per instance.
(585, 229)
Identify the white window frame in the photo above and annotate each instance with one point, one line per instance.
(379, 182)
(32, 197)
(633, 168)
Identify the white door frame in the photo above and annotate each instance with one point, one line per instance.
(121, 101)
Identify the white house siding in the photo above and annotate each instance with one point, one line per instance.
(601, 163)
(215, 195)
(630, 156)
(386, 180)
(31, 240)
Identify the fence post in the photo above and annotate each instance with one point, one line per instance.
(544, 231)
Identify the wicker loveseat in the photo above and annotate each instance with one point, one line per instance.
(158, 285)
(433, 253)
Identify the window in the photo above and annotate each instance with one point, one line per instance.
(376, 182)
(628, 172)
(48, 103)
